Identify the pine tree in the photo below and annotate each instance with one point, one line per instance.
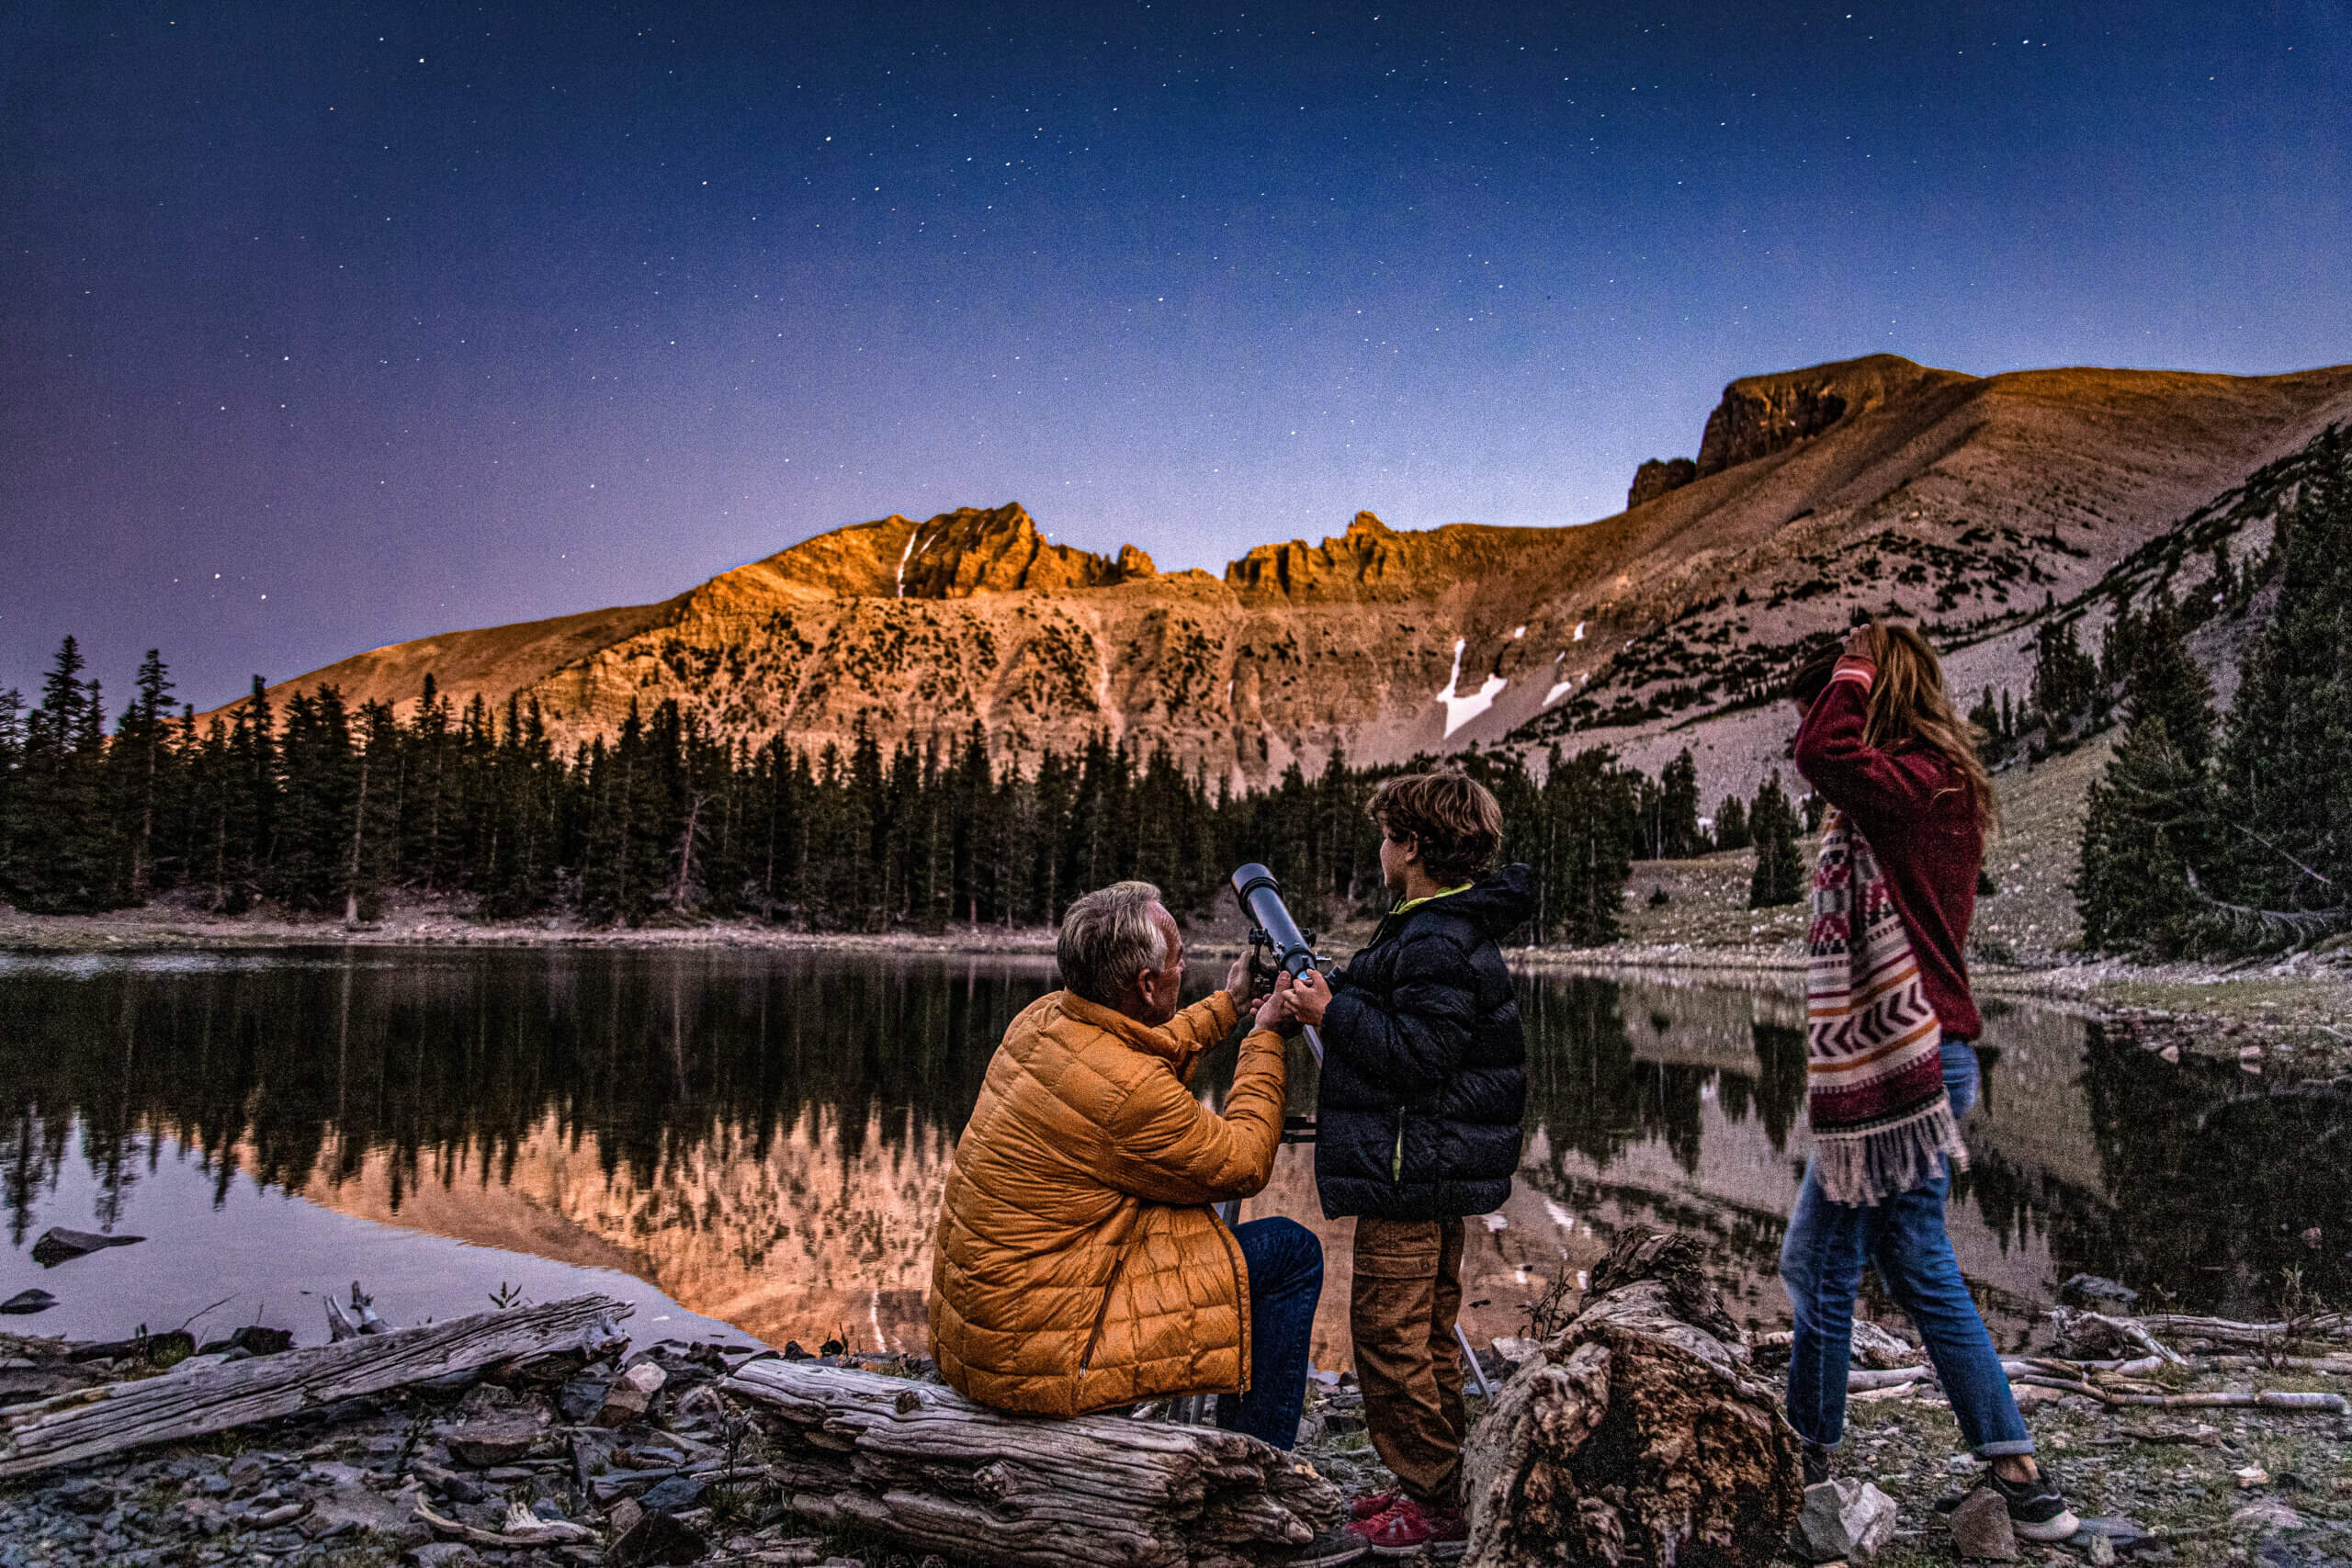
(2149, 819)
(61, 835)
(1731, 824)
(2287, 764)
(1679, 808)
(12, 760)
(2065, 679)
(1779, 877)
(145, 778)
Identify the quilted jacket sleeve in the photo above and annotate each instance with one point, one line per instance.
(1203, 1024)
(1415, 1043)
(1167, 1148)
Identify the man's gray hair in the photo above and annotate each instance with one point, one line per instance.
(1108, 938)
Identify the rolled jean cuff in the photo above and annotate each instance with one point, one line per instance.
(2007, 1447)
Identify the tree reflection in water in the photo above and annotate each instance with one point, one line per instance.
(674, 1073)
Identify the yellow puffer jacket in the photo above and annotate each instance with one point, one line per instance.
(1078, 1266)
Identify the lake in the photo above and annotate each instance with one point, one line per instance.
(753, 1142)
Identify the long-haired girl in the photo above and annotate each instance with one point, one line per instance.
(1891, 1066)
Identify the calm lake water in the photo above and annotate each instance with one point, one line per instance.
(748, 1142)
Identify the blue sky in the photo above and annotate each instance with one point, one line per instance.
(332, 326)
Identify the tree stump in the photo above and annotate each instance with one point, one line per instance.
(923, 1467)
(1639, 1435)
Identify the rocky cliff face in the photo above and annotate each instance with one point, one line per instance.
(1659, 476)
(1763, 414)
(1870, 486)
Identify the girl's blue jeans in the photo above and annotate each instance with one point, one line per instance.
(1904, 1239)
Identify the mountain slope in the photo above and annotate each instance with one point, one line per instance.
(1863, 485)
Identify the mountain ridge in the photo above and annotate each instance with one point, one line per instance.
(1851, 487)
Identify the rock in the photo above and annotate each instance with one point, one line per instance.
(1979, 1527)
(646, 1377)
(2251, 1477)
(356, 1510)
(2095, 1289)
(655, 1539)
(25, 1301)
(270, 1518)
(246, 1470)
(2100, 1553)
(2119, 1533)
(623, 1403)
(1875, 1347)
(623, 1517)
(1845, 1519)
(447, 1483)
(1763, 414)
(1659, 476)
(580, 1399)
(86, 1495)
(253, 1340)
(2266, 1515)
(1513, 1348)
(675, 1495)
(57, 1244)
(444, 1554)
(486, 1444)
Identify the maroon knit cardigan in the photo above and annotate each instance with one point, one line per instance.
(1916, 810)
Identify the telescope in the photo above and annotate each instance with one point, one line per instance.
(1273, 930)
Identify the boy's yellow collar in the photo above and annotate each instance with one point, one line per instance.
(1411, 904)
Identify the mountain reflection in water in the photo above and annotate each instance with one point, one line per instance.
(763, 1135)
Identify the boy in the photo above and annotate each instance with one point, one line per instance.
(1423, 1084)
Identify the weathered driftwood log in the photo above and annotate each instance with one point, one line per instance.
(1638, 1435)
(2220, 1331)
(921, 1465)
(200, 1399)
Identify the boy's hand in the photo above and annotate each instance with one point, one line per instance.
(1309, 995)
(1274, 1011)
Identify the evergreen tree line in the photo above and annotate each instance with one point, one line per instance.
(317, 804)
(2213, 838)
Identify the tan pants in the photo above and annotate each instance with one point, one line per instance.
(1407, 1291)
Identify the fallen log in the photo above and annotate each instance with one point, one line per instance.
(1638, 1434)
(2248, 1336)
(90, 1422)
(2231, 1399)
(923, 1467)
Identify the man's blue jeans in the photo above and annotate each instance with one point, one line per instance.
(1904, 1239)
(1285, 1264)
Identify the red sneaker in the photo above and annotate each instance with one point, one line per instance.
(1372, 1505)
(1409, 1527)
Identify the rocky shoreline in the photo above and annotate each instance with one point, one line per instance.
(626, 1456)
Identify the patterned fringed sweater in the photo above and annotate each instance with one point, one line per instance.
(1915, 811)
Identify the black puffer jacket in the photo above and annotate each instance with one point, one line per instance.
(1424, 1068)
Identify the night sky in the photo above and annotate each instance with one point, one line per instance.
(326, 325)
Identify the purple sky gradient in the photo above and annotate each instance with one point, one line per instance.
(329, 326)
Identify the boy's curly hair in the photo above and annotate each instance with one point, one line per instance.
(1454, 819)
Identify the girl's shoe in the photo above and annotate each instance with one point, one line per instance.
(2036, 1510)
(1372, 1505)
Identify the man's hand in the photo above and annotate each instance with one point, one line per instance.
(1237, 981)
(1274, 1011)
(1309, 995)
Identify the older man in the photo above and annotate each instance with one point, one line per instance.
(1079, 1265)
